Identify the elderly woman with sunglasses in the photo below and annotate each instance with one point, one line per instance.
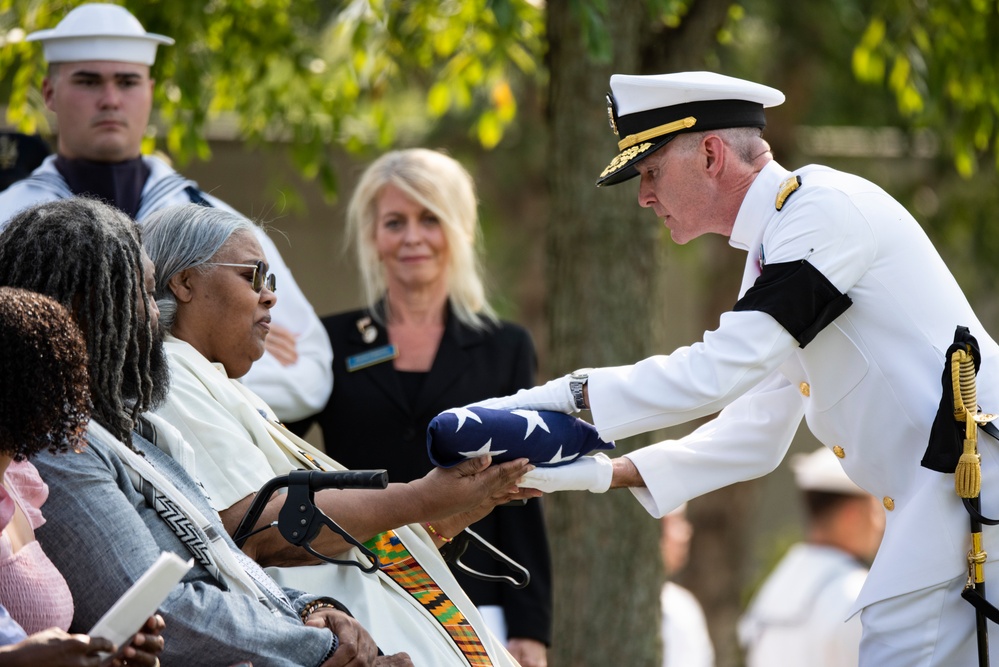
(215, 297)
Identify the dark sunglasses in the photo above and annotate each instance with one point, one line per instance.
(260, 279)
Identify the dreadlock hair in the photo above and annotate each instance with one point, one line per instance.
(87, 256)
(44, 398)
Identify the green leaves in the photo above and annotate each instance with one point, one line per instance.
(313, 74)
(939, 60)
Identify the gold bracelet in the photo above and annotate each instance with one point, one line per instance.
(434, 533)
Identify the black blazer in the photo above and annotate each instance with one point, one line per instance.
(369, 422)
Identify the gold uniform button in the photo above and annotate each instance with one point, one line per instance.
(889, 503)
(805, 389)
(839, 452)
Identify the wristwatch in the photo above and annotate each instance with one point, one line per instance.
(577, 380)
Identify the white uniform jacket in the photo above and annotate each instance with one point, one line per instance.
(684, 630)
(868, 384)
(799, 616)
(294, 392)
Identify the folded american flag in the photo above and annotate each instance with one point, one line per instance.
(546, 438)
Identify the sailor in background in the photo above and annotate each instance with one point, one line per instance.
(684, 629)
(798, 618)
(100, 90)
(844, 316)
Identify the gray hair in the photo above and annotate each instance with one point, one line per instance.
(746, 142)
(184, 237)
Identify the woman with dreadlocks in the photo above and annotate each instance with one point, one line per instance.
(102, 292)
(118, 503)
(44, 405)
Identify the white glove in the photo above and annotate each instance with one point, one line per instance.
(554, 395)
(588, 473)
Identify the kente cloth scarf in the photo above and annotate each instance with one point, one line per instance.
(399, 564)
(231, 569)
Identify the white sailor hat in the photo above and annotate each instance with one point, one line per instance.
(647, 112)
(98, 31)
(821, 471)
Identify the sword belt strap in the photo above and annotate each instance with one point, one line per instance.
(980, 604)
(990, 429)
(970, 593)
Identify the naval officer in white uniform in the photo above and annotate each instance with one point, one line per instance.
(844, 316)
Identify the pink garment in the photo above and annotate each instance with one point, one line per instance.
(31, 588)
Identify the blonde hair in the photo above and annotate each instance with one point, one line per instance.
(439, 183)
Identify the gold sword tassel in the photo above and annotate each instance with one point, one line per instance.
(968, 475)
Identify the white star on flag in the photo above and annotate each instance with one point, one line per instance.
(558, 458)
(483, 451)
(533, 419)
(461, 414)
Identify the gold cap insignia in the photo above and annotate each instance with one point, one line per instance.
(610, 115)
(623, 157)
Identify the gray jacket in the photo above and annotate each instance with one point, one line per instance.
(102, 535)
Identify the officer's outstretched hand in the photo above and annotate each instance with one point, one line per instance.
(587, 473)
(554, 395)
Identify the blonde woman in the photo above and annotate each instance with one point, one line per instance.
(427, 341)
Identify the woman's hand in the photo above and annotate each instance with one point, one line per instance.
(56, 648)
(528, 652)
(458, 497)
(145, 647)
(283, 344)
(356, 647)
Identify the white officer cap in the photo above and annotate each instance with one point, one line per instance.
(99, 31)
(821, 471)
(647, 112)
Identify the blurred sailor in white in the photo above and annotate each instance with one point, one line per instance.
(686, 642)
(99, 88)
(799, 617)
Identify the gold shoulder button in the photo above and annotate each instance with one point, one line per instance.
(839, 452)
(786, 189)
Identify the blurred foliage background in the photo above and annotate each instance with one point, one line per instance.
(276, 105)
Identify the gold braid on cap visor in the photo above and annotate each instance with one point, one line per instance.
(651, 133)
(622, 158)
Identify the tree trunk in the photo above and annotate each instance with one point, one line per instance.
(607, 306)
(603, 262)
